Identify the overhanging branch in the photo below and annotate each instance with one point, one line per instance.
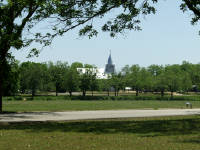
(192, 7)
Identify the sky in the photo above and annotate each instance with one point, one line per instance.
(166, 38)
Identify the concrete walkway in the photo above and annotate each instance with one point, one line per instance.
(100, 114)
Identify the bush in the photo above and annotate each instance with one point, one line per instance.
(18, 98)
(121, 97)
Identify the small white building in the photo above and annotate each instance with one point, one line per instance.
(101, 73)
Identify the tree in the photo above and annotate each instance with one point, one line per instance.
(147, 80)
(115, 83)
(191, 75)
(11, 84)
(89, 66)
(21, 16)
(72, 80)
(57, 73)
(134, 78)
(24, 69)
(186, 82)
(85, 81)
(158, 78)
(105, 85)
(76, 65)
(35, 78)
(173, 78)
(161, 83)
(94, 83)
(195, 76)
(155, 70)
(126, 71)
(30, 77)
(46, 85)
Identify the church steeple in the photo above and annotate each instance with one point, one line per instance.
(110, 59)
(110, 67)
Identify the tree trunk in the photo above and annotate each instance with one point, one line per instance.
(4, 48)
(137, 92)
(56, 93)
(108, 93)
(162, 93)
(84, 92)
(1, 84)
(70, 93)
(92, 93)
(1, 94)
(33, 93)
(171, 94)
(2, 77)
(56, 89)
(187, 91)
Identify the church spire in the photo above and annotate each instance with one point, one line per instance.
(110, 59)
(110, 67)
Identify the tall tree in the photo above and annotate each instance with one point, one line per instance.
(105, 85)
(94, 83)
(46, 78)
(147, 80)
(30, 77)
(157, 78)
(186, 82)
(116, 82)
(161, 83)
(126, 76)
(173, 78)
(134, 78)
(72, 81)
(85, 81)
(57, 73)
(24, 75)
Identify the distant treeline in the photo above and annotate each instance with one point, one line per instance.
(31, 77)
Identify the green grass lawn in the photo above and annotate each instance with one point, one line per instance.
(158, 133)
(69, 105)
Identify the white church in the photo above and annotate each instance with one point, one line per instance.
(101, 73)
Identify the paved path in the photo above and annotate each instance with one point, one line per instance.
(100, 114)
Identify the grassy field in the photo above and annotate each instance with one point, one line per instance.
(166, 133)
(69, 105)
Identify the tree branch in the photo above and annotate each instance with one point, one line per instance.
(26, 19)
(89, 18)
(192, 8)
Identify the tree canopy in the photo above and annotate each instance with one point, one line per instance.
(193, 6)
(20, 16)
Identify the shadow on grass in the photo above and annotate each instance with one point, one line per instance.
(142, 127)
(12, 115)
(191, 140)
